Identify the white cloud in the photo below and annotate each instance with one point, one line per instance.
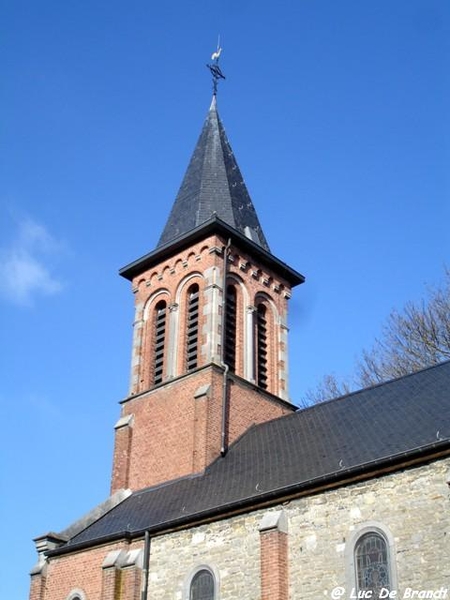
(25, 265)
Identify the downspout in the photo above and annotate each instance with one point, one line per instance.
(145, 565)
(226, 368)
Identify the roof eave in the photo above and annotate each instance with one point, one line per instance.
(211, 226)
(364, 471)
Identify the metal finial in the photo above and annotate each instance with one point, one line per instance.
(214, 67)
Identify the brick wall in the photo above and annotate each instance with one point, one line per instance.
(82, 570)
(203, 264)
(176, 429)
(274, 556)
(172, 430)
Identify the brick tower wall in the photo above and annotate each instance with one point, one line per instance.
(174, 428)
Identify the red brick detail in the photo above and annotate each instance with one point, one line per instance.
(177, 434)
(274, 565)
(131, 583)
(37, 587)
(84, 571)
(111, 584)
(168, 280)
(122, 449)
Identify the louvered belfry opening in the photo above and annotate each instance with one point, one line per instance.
(192, 327)
(160, 341)
(230, 327)
(261, 347)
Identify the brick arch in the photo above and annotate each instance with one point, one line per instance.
(140, 282)
(178, 264)
(186, 281)
(264, 297)
(153, 275)
(155, 297)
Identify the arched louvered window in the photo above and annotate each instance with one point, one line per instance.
(192, 328)
(202, 586)
(160, 319)
(261, 347)
(372, 563)
(230, 327)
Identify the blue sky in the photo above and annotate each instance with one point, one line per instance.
(338, 115)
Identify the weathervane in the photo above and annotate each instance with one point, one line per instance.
(214, 67)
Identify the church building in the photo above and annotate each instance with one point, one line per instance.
(220, 488)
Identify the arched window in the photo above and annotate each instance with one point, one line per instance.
(261, 346)
(160, 319)
(202, 586)
(230, 327)
(372, 563)
(192, 333)
(76, 595)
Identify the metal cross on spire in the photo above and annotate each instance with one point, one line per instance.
(214, 67)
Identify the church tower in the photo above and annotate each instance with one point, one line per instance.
(209, 355)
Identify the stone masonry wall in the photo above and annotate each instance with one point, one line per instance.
(229, 548)
(412, 505)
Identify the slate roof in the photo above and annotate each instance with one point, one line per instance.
(377, 427)
(213, 185)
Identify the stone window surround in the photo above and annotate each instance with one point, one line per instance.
(193, 572)
(355, 536)
(76, 594)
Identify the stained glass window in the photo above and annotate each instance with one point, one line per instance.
(372, 563)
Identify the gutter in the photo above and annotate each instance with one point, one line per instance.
(145, 566)
(226, 368)
(315, 485)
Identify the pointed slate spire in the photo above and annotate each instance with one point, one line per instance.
(213, 187)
